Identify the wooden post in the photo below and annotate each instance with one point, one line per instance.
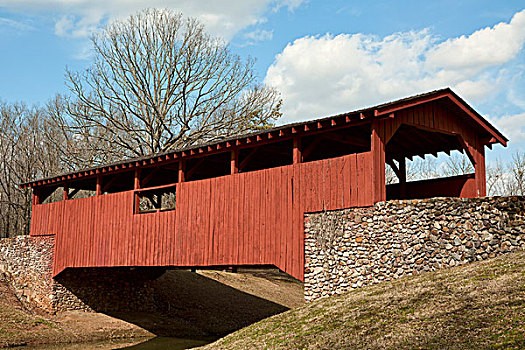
(476, 153)
(402, 178)
(234, 162)
(378, 163)
(136, 186)
(99, 185)
(65, 195)
(36, 197)
(182, 170)
(297, 150)
(479, 169)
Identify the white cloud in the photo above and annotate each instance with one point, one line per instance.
(259, 35)
(79, 18)
(320, 75)
(512, 126)
(484, 48)
(290, 4)
(17, 25)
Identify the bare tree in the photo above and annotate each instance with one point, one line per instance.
(159, 82)
(495, 177)
(457, 164)
(25, 153)
(390, 175)
(517, 174)
(431, 167)
(422, 168)
(507, 179)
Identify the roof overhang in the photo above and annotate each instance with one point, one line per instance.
(390, 108)
(284, 132)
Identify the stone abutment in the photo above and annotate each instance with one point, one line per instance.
(347, 249)
(26, 266)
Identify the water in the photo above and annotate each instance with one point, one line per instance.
(132, 344)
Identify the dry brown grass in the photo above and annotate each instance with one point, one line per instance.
(476, 306)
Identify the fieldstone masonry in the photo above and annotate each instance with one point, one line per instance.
(26, 266)
(346, 249)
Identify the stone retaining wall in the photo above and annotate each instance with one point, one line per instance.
(346, 249)
(26, 266)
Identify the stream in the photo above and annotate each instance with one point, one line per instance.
(134, 344)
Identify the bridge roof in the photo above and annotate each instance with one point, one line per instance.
(488, 132)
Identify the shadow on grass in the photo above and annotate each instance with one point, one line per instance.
(176, 303)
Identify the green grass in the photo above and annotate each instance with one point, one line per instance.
(476, 306)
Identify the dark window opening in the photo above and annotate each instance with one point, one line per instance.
(82, 189)
(155, 199)
(159, 175)
(51, 194)
(336, 143)
(118, 182)
(266, 156)
(208, 167)
(434, 167)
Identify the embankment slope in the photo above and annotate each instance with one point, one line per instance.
(474, 306)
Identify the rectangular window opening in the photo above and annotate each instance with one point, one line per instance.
(157, 199)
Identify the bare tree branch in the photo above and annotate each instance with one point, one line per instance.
(159, 82)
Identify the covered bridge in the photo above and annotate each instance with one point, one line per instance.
(241, 201)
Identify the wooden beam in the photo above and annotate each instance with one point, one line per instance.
(347, 140)
(136, 178)
(377, 149)
(65, 193)
(192, 171)
(234, 161)
(402, 178)
(308, 150)
(44, 193)
(73, 193)
(394, 107)
(467, 150)
(99, 185)
(297, 158)
(145, 189)
(111, 182)
(154, 202)
(245, 161)
(36, 197)
(136, 186)
(182, 170)
(394, 167)
(474, 115)
(149, 176)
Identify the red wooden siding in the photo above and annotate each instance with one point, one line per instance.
(463, 186)
(256, 218)
(249, 218)
(434, 117)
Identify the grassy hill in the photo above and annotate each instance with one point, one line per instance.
(476, 306)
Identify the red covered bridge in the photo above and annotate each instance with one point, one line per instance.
(241, 201)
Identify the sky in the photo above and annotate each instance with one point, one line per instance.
(325, 57)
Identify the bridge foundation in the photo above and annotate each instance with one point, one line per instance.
(26, 265)
(351, 248)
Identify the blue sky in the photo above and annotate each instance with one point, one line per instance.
(324, 56)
